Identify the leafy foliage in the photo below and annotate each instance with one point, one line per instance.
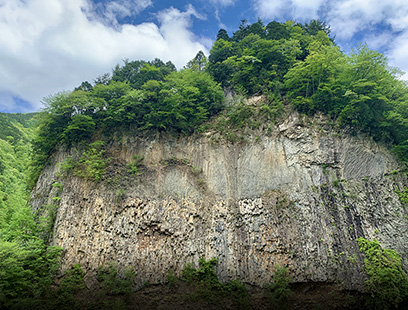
(27, 264)
(133, 166)
(204, 275)
(15, 126)
(279, 291)
(92, 164)
(257, 57)
(144, 95)
(301, 62)
(72, 282)
(210, 288)
(115, 282)
(359, 91)
(387, 281)
(138, 72)
(285, 62)
(403, 196)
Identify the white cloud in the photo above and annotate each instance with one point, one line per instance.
(48, 46)
(379, 41)
(11, 104)
(269, 9)
(351, 16)
(109, 12)
(297, 9)
(383, 25)
(307, 8)
(398, 55)
(222, 2)
(346, 17)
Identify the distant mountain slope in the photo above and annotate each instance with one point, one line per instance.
(16, 125)
(16, 131)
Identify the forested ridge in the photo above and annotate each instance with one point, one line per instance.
(289, 64)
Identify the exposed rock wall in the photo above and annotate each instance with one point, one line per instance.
(298, 196)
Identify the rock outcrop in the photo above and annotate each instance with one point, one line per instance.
(297, 196)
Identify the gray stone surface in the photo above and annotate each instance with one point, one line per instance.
(298, 196)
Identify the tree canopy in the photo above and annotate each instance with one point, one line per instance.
(299, 62)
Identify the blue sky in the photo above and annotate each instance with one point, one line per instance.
(47, 46)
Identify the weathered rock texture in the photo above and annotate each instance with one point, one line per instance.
(298, 196)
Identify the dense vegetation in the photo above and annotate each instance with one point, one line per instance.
(280, 60)
(303, 64)
(387, 282)
(27, 264)
(288, 63)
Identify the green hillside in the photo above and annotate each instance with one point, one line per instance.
(25, 259)
(16, 133)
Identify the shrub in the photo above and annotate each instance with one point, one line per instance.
(73, 279)
(204, 275)
(115, 282)
(133, 166)
(279, 291)
(387, 282)
(209, 288)
(92, 164)
(403, 196)
(26, 270)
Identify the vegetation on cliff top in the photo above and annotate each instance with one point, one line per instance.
(287, 62)
(280, 60)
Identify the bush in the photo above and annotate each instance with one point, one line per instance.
(387, 282)
(279, 291)
(26, 270)
(133, 166)
(209, 288)
(115, 282)
(92, 164)
(72, 282)
(204, 275)
(403, 196)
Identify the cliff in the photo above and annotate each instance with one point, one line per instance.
(299, 195)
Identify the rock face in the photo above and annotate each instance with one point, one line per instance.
(298, 196)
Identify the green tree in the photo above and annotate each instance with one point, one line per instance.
(276, 31)
(138, 72)
(222, 34)
(220, 51)
(198, 63)
(79, 129)
(184, 100)
(318, 71)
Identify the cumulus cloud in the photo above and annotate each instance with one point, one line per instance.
(351, 16)
(382, 24)
(222, 2)
(110, 12)
(47, 46)
(269, 9)
(297, 9)
(398, 55)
